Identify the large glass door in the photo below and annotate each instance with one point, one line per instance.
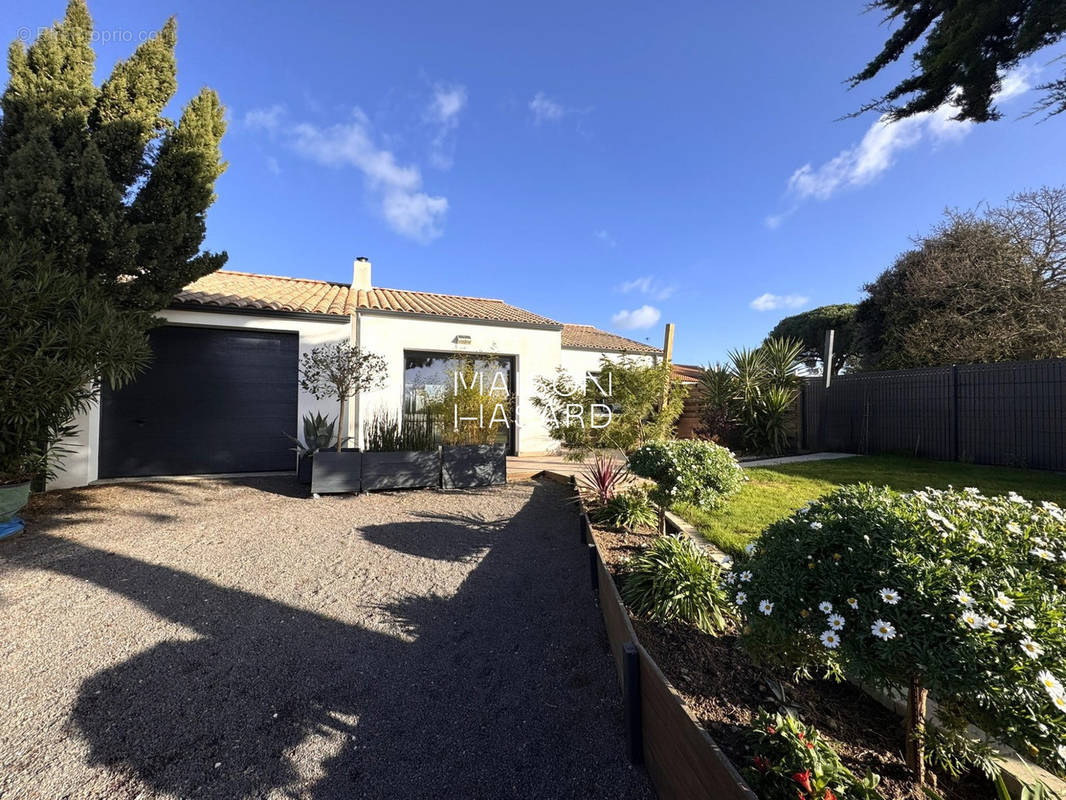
(462, 387)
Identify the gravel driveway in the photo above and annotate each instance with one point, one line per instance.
(230, 639)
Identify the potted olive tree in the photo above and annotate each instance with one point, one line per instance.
(339, 372)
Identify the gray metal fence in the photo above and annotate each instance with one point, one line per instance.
(1011, 414)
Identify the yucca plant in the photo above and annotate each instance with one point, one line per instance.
(673, 580)
(601, 477)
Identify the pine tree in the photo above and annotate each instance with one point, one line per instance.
(102, 217)
(966, 46)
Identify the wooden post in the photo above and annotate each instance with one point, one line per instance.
(668, 354)
(631, 702)
(915, 750)
(594, 572)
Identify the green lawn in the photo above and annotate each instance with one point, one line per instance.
(772, 493)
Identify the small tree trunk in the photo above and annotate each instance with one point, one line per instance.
(342, 428)
(662, 520)
(916, 701)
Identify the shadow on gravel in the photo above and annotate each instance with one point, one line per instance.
(508, 691)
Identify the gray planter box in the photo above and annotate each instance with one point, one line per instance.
(333, 472)
(402, 469)
(468, 465)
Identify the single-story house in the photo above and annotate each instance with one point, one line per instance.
(223, 389)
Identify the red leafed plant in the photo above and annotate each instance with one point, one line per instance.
(602, 477)
(793, 762)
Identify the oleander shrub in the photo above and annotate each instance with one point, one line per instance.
(628, 510)
(793, 762)
(946, 591)
(673, 580)
(688, 471)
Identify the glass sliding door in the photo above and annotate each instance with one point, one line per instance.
(430, 381)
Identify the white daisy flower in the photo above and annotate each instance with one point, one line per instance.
(1040, 552)
(890, 596)
(1050, 683)
(825, 607)
(1004, 602)
(750, 548)
(742, 598)
(1031, 648)
(730, 578)
(971, 490)
(816, 526)
(883, 630)
(1015, 528)
(745, 575)
(1028, 623)
(973, 620)
(766, 607)
(1061, 750)
(836, 622)
(830, 640)
(853, 602)
(1059, 702)
(964, 598)
(993, 624)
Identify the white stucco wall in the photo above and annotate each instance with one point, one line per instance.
(578, 362)
(536, 352)
(81, 466)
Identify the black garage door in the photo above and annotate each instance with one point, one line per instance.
(212, 401)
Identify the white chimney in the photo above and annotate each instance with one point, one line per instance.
(361, 274)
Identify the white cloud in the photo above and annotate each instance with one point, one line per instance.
(882, 143)
(407, 209)
(648, 285)
(643, 317)
(545, 109)
(266, 118)
(605, 237)
(770, 302)
(273, 166)
(443, 112)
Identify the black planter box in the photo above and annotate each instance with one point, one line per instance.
(467, 465)
(402, 469)
(303, 469)
(334, 472)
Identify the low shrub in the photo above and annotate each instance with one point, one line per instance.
(688, 471)
(946, 591)
(386, 432)
(628, 510)
(793, 762)
(673, 580)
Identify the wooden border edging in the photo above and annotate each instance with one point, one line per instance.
(682, 760)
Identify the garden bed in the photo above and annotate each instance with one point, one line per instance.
(721, 688)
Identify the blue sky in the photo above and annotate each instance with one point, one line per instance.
(617, 164)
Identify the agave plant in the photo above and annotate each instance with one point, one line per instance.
(318, 435)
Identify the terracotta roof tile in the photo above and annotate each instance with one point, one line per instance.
(687, 373)
(586, 337)
(231, 289)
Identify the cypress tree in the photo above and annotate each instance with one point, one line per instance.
(100, 191)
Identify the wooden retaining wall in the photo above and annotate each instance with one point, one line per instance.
(682, 760)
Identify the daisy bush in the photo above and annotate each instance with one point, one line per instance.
(956, 593)
(688, 471)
